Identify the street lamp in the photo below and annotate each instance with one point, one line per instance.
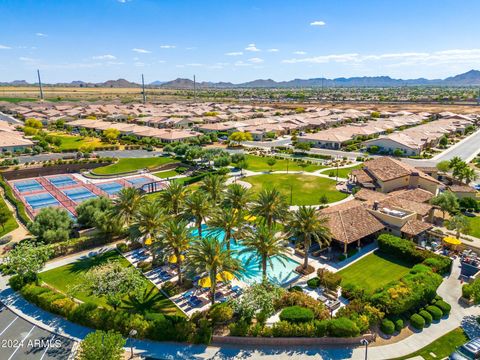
(365, 342)
(131, 334)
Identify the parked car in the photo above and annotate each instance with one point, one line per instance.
(468, 351)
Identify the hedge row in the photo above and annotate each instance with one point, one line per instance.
(19, 206)
(405, 250)
(74, 245)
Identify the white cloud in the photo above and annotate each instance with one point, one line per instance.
(141, 51)
(317, 23)
(234, 53)
(255, 60)
(167, 46)
(300, 52)
(194, 64)
(104, 57)
(241, 63)
(4, 47)
(252, 47)
(26, 59)
(41, 34)
(139, 64)
(123, 1)
(273, 50)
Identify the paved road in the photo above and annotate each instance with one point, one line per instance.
(467, 150)
(19, 339)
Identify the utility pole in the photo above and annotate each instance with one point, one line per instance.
(194, 89)
(144, 95)
(40, 84)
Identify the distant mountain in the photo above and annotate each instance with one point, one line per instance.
(470, 78)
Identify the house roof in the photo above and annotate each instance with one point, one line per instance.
(462, 188)
(415, 227)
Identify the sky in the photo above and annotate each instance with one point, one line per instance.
(236, 40)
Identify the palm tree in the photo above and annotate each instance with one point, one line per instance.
(126, 204)
(228, 220)
(147, 222)
(198, 206)
(446, 201)
(271, 206)
(214, 185)
(175, 237)
(468, 174)
(173, 197)
(307, 224)
(209, 256)
(458, 223)
(237, 197)
(263, 244)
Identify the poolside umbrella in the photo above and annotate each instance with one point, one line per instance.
(205, 282)
(225, 276)
(451, 240)
(173, 259)
(148, 241)
(250, 218)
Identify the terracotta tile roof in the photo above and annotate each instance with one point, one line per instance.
(362, 176)
(414, 227)
(420, 208)
(417, 195)
(462, 188)
(350, 221)
(369, 195)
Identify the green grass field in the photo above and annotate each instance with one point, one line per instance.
(132, 164)
(474, 226)
(304, 189)
(11, 223)
(64, 277)
(258, 163)
(442, 347)
(166, 174)
(344, 172)
(16, 100)
(373, 271)
(75, 143)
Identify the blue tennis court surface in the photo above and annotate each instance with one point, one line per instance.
(62, 180)
(110, 188)
(79, 194)
(42, 200)
(27, 185)
(139, 180)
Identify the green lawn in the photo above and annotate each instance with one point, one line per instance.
(442, 347)
(11, 222)
(303, 189)
(166, 174)
(258, 163)
(74, 143)
(474, 226)
(374, 271)
(344, 172)
(132, 164)
(64, 277)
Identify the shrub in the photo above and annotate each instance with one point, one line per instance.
(387, 326)
(288, 329)
(145, 266)
(303, 300)
(295, 288)
(329, 279)
(296, 314)
(63, 306)
(321, 327)
(343, 327)
(445, 307)
(426, 315)
(313, 283)
(352, 291)
(239, 328)
(204, 332)
(417, 321)
(435, 311)
(122, 247)
(399, 324)
(472, 291)
(220, 313)
(17, 282)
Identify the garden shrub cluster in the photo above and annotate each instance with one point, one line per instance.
(405, 250)
(472, 291)
(296, 314)
(19, 206)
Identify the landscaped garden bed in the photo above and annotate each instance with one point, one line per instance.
(126, 165)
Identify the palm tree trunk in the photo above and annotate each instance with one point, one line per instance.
(213, 280)
(199, 226)
(306, 241)
(226, 239)
(264, 268)
(179, 267)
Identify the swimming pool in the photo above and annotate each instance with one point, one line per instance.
(111, 187)
(27, 185)
(278, 272)
(62, 180)
(41, 200)
(79, 194)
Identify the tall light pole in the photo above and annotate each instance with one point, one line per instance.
(194, 89)
(144, 95)
(40, 84)
(365, 342)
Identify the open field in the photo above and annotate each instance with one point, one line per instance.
(440, 348)
(132, 164)
(166, 174)
(374, 271)
(302, 189)
(75, 143)
(342, 173)
(474, 226)
(258, 163)
(11, 223)
(65, 277)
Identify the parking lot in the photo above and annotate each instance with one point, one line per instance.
(20, 339)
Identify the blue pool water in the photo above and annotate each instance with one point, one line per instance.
(279, 272)
(42, 200)
(62, 180)
(110, 188)
(79, 194)
(27, 185)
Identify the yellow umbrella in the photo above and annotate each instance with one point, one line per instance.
(173, 259)
(148, 241)
(452, 240)
(205, 282)
(225, 276)
(250, 218)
